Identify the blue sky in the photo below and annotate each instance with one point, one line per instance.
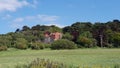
(17, 13)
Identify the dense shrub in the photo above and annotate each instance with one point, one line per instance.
(67, 36)
(37, 45)
(3, 48)
(5, 40)
(109, 45)
(117, 66)
(86, 42)
(86, 39)
(47, 45)
(21, 43)
(63, 44)
(21, 46)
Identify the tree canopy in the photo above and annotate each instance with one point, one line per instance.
(84, 34)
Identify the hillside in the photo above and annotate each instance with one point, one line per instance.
(84, 34)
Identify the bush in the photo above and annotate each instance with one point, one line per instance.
(37, 45)
(117, 66)
(86, 42)
(5, 40)
(21, 46)
(42, 63)
(3, 48)
(47, 45)
(21, 43)
(109, 45)
(63, 44)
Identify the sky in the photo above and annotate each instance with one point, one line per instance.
(18, 13)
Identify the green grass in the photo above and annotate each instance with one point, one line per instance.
(81, 57)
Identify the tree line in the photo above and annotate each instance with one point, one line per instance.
(83, 34)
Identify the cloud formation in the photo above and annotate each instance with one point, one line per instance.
(18, 20)
(16, 23)
(42, 18)
(12, 5)
(39, 19)
(34, 4)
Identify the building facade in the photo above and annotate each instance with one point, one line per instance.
(50, 37)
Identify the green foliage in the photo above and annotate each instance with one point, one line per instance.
(5, 40)
(54, 28)
(63, 44)
(2, 42)
(21, 43)
(47, 45)
(86, 40)
(37, 45)
(116, 39)
(3, 48)
(82, 25)
(41, 36)
(84, 34)
(42, 63)
(108, 45)
(75, 57)
(25, 28)
(67, 29)
(116, 66)
(67, 36)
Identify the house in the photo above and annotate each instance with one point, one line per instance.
(50, 37)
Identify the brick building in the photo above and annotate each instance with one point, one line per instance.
(50, 37)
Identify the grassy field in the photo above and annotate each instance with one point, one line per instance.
(81, 57)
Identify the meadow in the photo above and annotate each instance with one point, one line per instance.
(77, 57)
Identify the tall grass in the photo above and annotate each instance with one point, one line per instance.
(42, 63)
(77, 57)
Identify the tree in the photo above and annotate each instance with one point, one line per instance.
(82, 26)
(116, 39)
(25, 28)
(37, 27)
(67, 36)
(17, 30)
(54, 28)
(86, 40)
(114, 25)
(99, 34)
(67, 29)
(78, 28)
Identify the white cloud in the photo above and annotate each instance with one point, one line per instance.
(46, 18)
(42, 18)
(56, 24)
(17, 23)
(39, 19)
(12, 5)
(34, 4)
(18, 20)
